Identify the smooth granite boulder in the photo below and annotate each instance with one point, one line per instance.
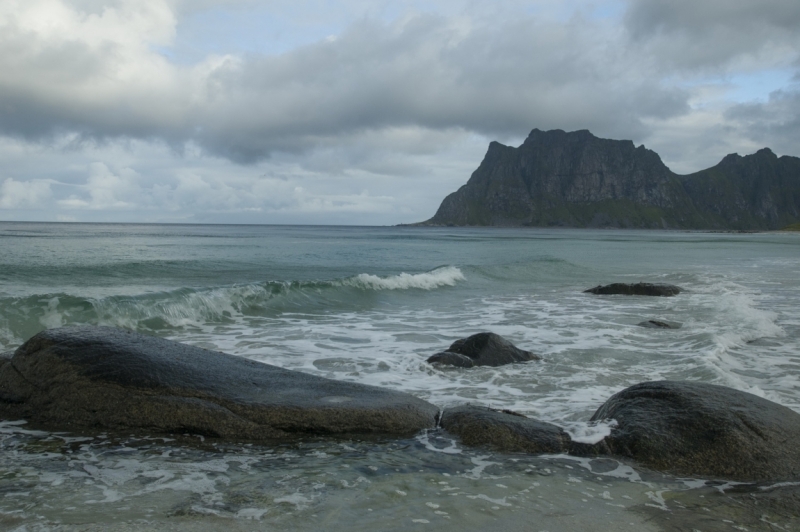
(698, 429)
(658, 324)
(636, 289)
(116, 379)
(482, 349)
(504, 430)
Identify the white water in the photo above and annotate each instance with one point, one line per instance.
(370, 306)
(447, 276)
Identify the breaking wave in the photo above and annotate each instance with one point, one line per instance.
(22, 317)
(446, 276)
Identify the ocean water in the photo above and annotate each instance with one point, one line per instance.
(370, 305)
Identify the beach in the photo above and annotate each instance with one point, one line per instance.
(370, 305)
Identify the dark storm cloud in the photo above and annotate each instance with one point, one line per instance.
(775, 123)
(428, 72)
(496, 77)
(425, 71)
(374, 124)
(711, 33)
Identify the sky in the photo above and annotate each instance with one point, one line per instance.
(363, 112)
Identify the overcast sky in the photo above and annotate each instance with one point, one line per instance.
(363, 111)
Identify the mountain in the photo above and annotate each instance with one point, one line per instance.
(575, 179)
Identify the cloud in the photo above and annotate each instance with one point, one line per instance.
(364, 111)
(775, 123)
(100, 184)
(98, 75)
(696, 17)
(65, 70)
(716, 35)
(105, 190)
(24, 194)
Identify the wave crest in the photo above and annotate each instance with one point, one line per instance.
(22, 317)
(447, 276)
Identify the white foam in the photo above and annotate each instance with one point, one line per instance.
(589, 432)
(251, 513)
(499, 502)
(657, 498)
(447, 276)
(298, 500)
(51, 317)
(480, 465)
(452, 448)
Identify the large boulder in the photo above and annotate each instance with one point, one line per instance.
(5, 394)
(116, 379)
(482, 349)
(636, 289)
(698, 429)
(504, 430)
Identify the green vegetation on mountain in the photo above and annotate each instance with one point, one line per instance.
(578, 180)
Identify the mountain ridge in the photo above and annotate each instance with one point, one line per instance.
(575, 179)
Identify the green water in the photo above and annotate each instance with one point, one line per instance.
(370, 305)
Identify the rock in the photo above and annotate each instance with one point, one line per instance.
(116, 379)
(558, 178)
(482, 349)
(504, 430)
(5, 394)
(452, 359)
(698, 429)
(764, 342)
(656, 324)
(637, 289)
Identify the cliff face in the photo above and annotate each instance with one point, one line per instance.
(576, 179)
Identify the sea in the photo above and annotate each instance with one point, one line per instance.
(370, 305)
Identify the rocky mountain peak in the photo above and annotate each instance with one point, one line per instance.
(577, 179)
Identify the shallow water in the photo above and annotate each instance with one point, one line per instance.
(57, 481)
(370, 305)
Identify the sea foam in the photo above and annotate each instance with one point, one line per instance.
(446, 276)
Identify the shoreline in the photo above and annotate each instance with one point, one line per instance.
(645, 229)
(140, 483)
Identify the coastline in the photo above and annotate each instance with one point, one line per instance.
(370, 305)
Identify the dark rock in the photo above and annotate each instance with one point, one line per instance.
(558, 178)
(6, 396)
(764, 342)
(115, 379)
(452, 359)
(636, 289)
(698, 429)
(482, 349)
(657, 324)
(504, 430)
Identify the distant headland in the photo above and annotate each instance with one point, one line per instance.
(574, 179)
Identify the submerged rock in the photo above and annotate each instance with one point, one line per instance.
(116, 379)
(482, 349)
(636, 289)
(450, 358)
(504, 430)
(699, 429)
(657, 324)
